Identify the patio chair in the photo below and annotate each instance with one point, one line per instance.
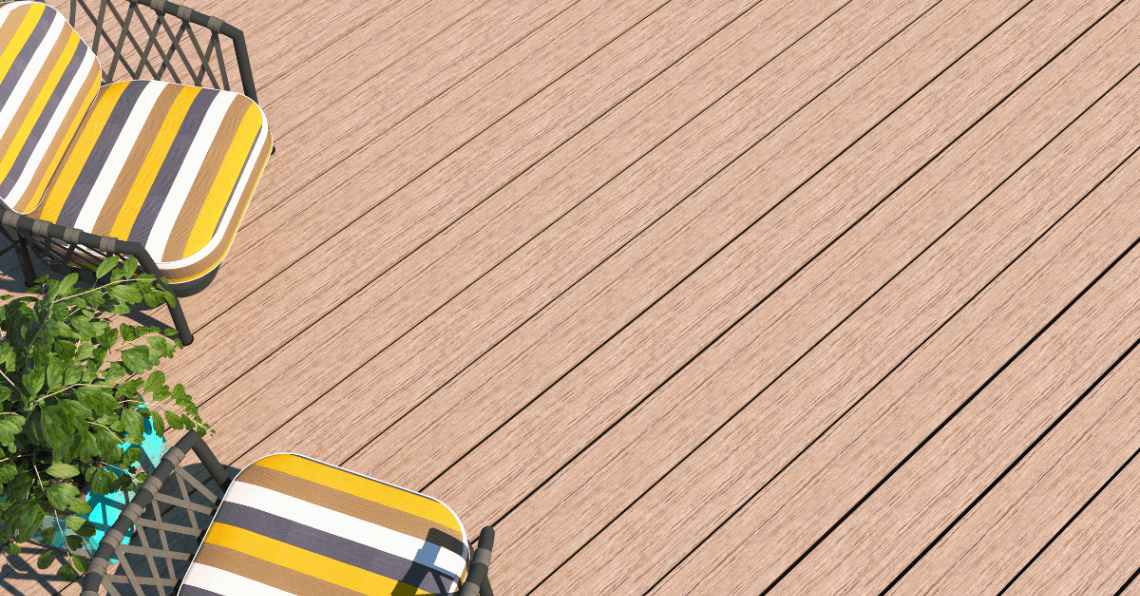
(287, 524)
(158, 170)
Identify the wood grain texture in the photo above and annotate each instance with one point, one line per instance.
(727, 470)
(903, 515)
(1098, 552)
(416, 284)
(1022, 515)
(306, 291)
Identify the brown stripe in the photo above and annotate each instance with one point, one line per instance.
(15, 19)
(24, 112)
(342, 502)
(203, 265)
(270, 574)
(142, 144)
(50, 165)
(184, 224)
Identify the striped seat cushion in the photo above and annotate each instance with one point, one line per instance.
(170, 166)
(293, 525)
(48, 78)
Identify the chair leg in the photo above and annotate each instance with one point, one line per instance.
(180, 321)
(25, 262)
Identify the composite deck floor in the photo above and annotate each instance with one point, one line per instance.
(700, 297)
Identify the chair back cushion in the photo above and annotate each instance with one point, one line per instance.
(292, 525)
(48, 79)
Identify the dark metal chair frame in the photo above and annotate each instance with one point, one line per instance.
(152, 495)
(50, 241)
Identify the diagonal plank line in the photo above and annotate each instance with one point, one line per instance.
(1079, 511)
(987, 382)
(681, 127)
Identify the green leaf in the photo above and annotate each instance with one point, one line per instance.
(138, 359)
(10, 426)
(81, 563)
(61, 495)
(173, 420)
(133, 421)
(155, 381)
(66, 573)
(131, 266)
(13, 549)
(55, 376)
(45, 559)
(159, 425)
(126, 294)
(33, 382)
(62, 470)
(107, 265)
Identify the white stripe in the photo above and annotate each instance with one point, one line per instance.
(239, 189)
(78, 86)
(224, 582)
(35, 65)
(117, 158)
(345, 526)
(191, 165)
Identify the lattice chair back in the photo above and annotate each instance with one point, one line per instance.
(48, 78)
(166, 42)
(170, 513)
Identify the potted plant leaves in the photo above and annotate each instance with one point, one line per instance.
(76, 400)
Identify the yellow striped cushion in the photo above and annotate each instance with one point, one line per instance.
(48, 78)
(170, 166)
(293, 525)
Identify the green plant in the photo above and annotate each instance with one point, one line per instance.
(71, 393)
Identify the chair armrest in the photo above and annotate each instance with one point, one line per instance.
(477, 582)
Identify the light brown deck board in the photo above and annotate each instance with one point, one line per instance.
(417, 211)
(542, 203)
(866, 551)
(705, 485)
(603, 303)
(1098, 553)
(1022, 514)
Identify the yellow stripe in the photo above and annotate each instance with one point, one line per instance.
(153, 162)
(8, 58)
(362, 487)
(225, 183)
(91, 92)
(37, 107)
(303, 561)
(53, 203)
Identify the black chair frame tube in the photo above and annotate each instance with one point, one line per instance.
(151, 487)
(20, 228)
(478, 584)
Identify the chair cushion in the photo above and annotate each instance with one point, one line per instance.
(293, 525)
(170, 166)
(48, 78)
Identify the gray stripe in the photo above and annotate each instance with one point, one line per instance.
(35, 137)
(235, 191)
(25, 56)
(163, 182)
(186, 590)
(93, 166)
(339, 548)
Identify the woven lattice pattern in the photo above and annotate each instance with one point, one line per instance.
(166, 535)
(134, 42)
